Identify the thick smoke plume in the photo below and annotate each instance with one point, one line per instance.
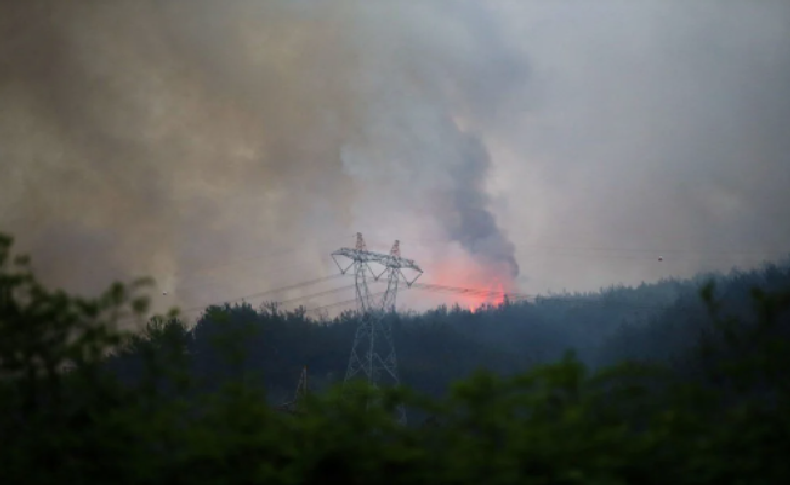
(146, 137)
(471, 223)
(227, 147)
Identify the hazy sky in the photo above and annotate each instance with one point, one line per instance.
(227, 148)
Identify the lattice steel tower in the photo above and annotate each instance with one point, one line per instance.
(373, 351)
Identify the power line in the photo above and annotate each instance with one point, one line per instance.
(214, 269)
(226, 276)
(652, 250)
(339, 303)
(542, 300)
(268, 292)
(558, 251)
(513, 297)
(426, 287)
(470, 291)
(238, 261)
(316, 295)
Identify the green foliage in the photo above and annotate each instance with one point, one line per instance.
(71, 415)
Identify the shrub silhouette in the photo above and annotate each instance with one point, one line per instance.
(66, 416)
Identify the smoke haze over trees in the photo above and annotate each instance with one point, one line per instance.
(574, 143)
(709, 405)
(659, 322)
(599, 163)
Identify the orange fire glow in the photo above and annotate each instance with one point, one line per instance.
(488, 284)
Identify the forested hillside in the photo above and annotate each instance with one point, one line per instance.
(191, 406)
(659, 322)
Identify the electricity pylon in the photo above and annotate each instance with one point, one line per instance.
(373, 351)
(301, 391)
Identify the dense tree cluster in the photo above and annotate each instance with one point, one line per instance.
(690, 388)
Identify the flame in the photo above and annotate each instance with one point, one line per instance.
(489, 284)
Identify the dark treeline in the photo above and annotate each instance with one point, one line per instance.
(657, 322)
(681, 382)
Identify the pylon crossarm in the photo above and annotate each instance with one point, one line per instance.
(409, 283)
(370, 271)
(342, 270)
(377, 276)
(399, 262)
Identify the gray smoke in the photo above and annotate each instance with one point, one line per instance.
(581, 141)
(142, 137)
(471, 222)
(656, 129)
(440, 171)
(145, 137)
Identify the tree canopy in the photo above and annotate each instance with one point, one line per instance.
(695, 391)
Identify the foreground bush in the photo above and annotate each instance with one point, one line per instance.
(65, 417)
